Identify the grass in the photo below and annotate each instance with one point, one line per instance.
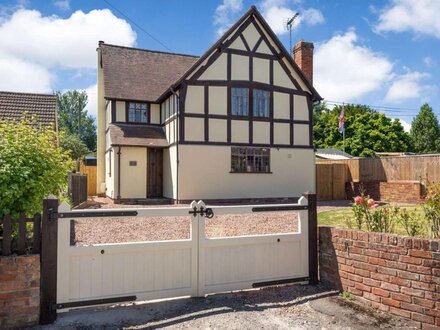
(338, 217)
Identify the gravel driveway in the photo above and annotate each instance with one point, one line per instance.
(285, 307)
(134, 229)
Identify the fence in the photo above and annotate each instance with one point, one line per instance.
(330, 181)
(77, 189)
(90, 171)
(403, 168)
(17, 237)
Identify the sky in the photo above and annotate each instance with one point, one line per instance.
(382, 53)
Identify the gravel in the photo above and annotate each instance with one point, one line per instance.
(135, 229)
(284, 307)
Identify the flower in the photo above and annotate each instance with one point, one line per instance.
(376, 206)
(358, 200)
(371, 202)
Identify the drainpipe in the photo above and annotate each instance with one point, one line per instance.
(176, 135)
(119, 175)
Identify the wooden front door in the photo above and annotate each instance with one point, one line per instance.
(154, 173)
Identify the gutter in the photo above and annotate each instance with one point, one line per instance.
(177, 106)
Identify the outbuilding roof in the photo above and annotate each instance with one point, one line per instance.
(15, 105)
(139, 74)
(137, 135)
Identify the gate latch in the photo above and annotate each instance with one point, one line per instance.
(206, 212)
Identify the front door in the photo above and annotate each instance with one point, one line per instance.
(154, 173)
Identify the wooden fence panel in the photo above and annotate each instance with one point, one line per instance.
(339, 179)
(401, 168)
(330, 181)
(77, 188)
(91, 178)
(16, 236)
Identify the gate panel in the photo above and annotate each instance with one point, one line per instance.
(147, 270)
(233, 263)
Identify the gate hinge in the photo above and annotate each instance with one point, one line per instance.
(206, 212)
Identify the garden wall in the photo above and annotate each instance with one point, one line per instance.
(19, 291)
(396, 274)
(391, 191)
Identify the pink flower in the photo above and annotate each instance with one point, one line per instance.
(371, 202)
(358, 200)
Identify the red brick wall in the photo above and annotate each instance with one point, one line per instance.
(396, 274)
(391, 191)
(19, 291)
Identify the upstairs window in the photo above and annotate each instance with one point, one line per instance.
(138, 112)
(261, 103)
(240, 101)
(250, 160)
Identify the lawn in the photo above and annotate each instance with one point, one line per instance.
(338, 217)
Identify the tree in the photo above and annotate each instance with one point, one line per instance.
(76, 148)
(32, 166)
(73, 118)
(366, 131)
(425, 131)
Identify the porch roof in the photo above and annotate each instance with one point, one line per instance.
(137, 135)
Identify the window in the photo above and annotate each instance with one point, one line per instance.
(240, 101)
(261, 103)
(137, 112)
(250, 160)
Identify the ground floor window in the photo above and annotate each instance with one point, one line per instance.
(250, 160)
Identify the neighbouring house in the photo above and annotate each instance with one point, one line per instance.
(331, 154)
(43, 107)
(232, 124)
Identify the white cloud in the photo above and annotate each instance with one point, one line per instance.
(19, 75)
(276, 12)
(54, 41)
(429, 61)
(405, 124)
(225, 13)
(33, 47)
(92, 104)
(345, 70)
(63, 5)
(408, 86)
(418, 16)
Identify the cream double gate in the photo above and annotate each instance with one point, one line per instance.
(109, 273)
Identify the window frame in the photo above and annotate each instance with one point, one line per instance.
(127, 112)
(245, 152)
(233, 97)
(258, 95)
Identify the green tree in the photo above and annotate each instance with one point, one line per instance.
(32, 166)
(76, 148)
(366, 131)
(73, 118)
(425, 131)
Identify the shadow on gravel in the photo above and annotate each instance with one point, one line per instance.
(170, 313)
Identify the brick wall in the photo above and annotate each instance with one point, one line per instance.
(19, 291)
(396, 274)
(391, 191)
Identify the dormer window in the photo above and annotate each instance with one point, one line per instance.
(137, 112)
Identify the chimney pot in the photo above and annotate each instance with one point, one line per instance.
(302, 54)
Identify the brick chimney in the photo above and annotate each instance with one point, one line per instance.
(303, 56)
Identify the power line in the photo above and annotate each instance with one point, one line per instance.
(373, 106)
(138, 26)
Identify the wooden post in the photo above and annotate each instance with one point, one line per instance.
(49, 242)
(313, 238)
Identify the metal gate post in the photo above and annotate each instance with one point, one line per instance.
(201, 249)
(313, 238)
(49, 239)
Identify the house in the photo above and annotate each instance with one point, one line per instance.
(43, 107)
(234, 124)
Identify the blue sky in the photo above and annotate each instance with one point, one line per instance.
(382, 53)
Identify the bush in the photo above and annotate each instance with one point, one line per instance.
(368, 214)
(32, 166)
(413, 223)
(432, 209)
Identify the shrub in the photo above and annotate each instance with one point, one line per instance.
(413, 223)
(432, 209)
(32, 166)
(368, 214)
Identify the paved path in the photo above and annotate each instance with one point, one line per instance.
(288, 307)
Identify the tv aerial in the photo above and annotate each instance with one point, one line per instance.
(288, 23)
